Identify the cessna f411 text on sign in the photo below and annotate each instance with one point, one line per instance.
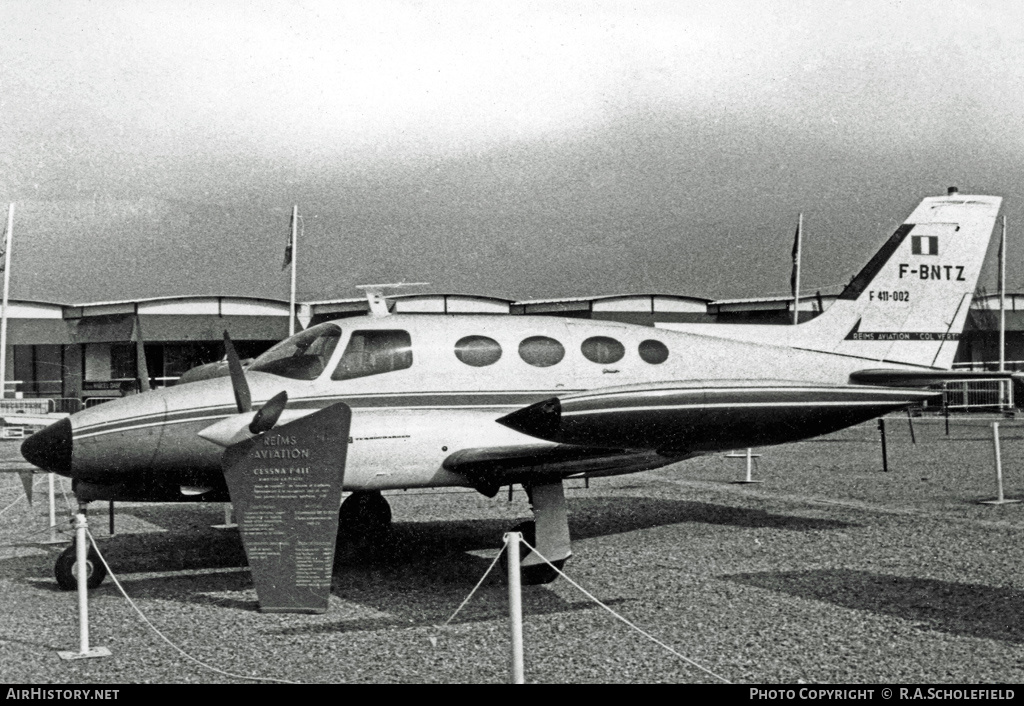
(410, 401)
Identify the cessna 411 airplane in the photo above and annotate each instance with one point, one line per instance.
(411, 401)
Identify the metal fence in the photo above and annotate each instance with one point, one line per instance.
(24, 406)
(980, 395)
(11, 407)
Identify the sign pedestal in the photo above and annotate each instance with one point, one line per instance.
(285, 486)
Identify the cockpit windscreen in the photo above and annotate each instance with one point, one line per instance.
(301, 357)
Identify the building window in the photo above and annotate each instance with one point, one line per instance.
(603, 350)
(477, 351)
(653, 352)
(373, 353)
(541, 351)
(122, 361)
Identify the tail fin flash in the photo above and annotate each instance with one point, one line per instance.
(908, 305)
(910, 302)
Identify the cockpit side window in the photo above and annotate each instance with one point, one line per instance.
(374, 352)
(301, 357)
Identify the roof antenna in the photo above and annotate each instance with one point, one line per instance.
(375, 295)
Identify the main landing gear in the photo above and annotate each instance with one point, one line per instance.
(364, 522)
(548, 532)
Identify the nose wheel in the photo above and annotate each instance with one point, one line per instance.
(66, 569)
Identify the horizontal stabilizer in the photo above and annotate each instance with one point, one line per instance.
(922, 378)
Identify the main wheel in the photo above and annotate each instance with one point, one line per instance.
(66, 569)
(539, 573)
(364, 520)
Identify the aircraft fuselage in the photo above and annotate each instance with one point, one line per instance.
(428, 386)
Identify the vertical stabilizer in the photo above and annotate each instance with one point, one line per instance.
(909, 303)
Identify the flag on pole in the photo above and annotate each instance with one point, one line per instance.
(794, 278)
(288, 246)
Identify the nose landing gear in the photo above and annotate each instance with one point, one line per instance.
(66, 569)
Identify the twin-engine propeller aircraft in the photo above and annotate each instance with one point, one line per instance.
(410, 401)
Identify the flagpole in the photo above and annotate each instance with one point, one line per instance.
(7, 289)
(1002, 299)
(291, 306)
(796, 270)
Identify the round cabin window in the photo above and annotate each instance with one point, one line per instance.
(541, 351)
(653, 352)
(603, 350)
(477, 351)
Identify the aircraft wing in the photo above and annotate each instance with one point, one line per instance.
(693, 417)
(489, 468)
(923, 378)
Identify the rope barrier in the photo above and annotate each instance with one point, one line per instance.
(478, 584)
(182, 652)
(64, 492)
(25, 538)
(624, 620)
(18, 499)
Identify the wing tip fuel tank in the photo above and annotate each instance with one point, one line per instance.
(541, 420)
(706, 418)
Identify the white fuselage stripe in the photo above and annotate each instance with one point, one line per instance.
(652, 408)
(189, 420)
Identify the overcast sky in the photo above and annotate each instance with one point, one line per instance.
(523, 149)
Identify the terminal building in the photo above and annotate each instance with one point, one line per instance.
(83, 354)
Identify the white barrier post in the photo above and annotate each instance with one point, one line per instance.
(1000, 500)
(515, 605)
(53, 513)
(750, 456)
(53, 509)
(82, 574)
(229, 522)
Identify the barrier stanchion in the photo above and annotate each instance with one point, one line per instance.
(885, 456)
(51, 496)
(515, 606)
(229, 521)
(945, 407)
(750, 456)
(82, 573)
(1000, 500)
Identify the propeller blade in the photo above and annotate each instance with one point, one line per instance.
(242, 397)
(141, 369)
(268, 414)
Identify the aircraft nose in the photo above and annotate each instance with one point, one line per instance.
(50, 448)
